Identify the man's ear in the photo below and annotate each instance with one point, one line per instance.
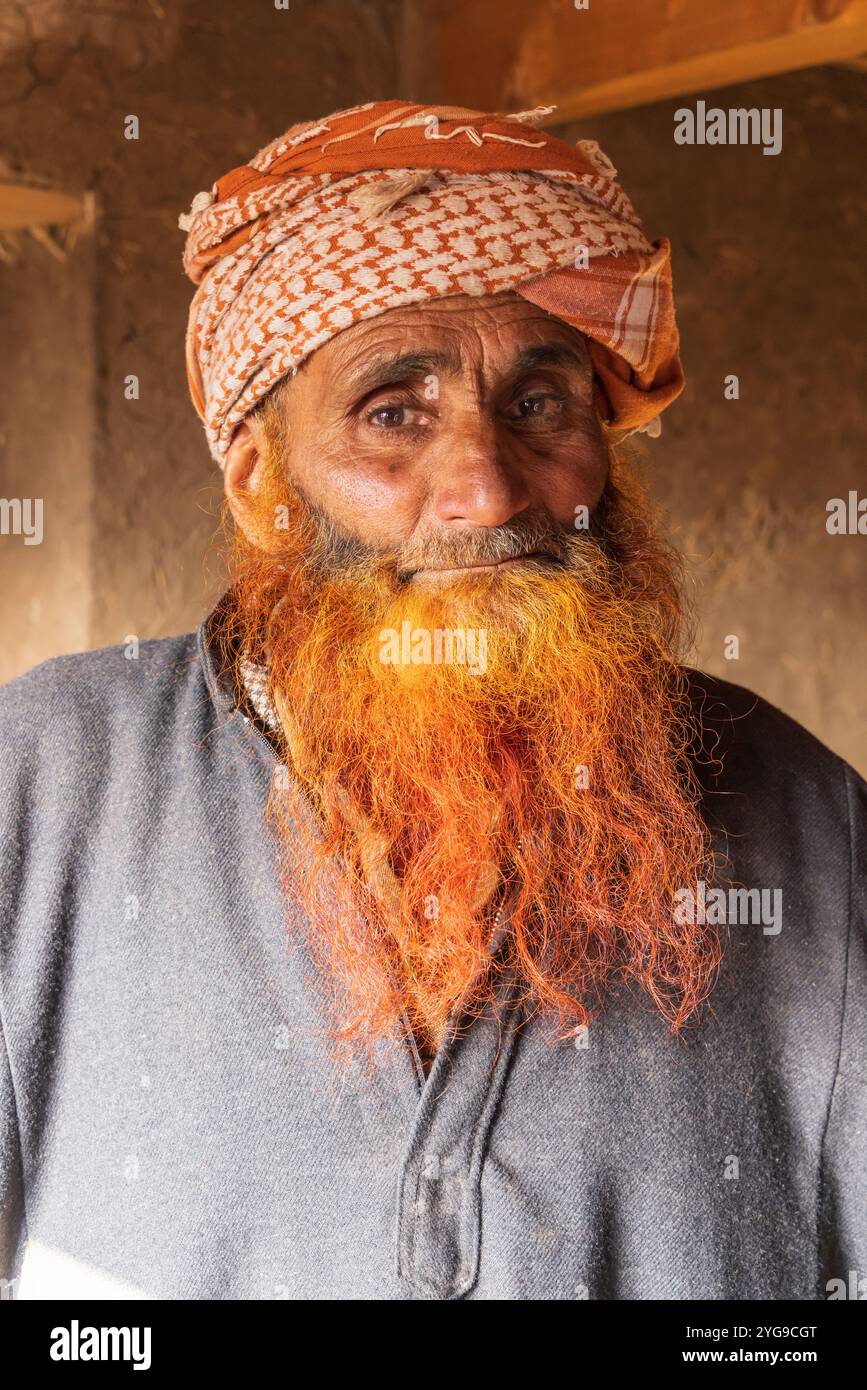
(243, 459)
(243, 471)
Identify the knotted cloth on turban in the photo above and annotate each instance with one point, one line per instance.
(392, 203)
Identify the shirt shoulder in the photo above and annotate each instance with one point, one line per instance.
(87, 681)
(748, 740)
(90, 677)
(79, 711)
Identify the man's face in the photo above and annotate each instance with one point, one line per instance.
(452, 417)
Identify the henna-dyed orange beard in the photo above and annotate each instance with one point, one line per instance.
(560, 772)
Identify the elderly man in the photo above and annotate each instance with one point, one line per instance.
(422, 927)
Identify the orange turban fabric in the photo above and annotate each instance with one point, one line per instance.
(392, 203)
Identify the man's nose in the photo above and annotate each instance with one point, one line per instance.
(477, 480)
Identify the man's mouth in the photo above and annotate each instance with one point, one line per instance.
(540, 557)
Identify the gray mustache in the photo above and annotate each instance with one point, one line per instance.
(488, 546)
(333, 553)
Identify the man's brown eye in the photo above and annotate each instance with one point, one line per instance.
(539, 406)
(388, 416)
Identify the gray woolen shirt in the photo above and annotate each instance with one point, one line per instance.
(170, 1120)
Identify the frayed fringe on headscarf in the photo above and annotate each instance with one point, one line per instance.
(201, 201)
(533, 118)
(374, 199)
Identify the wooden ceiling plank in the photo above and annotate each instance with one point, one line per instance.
(621, 53)
(23, 205)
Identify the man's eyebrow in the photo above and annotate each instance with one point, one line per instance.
(551, 355)
(388, 371)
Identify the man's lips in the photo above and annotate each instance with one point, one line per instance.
(537, 555)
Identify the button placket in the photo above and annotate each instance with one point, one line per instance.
(439, 1200)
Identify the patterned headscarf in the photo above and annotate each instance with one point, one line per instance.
(392, 203)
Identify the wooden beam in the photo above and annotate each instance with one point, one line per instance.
(512, 55)
(23, 205)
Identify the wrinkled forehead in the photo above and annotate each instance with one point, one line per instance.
(462, 335)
